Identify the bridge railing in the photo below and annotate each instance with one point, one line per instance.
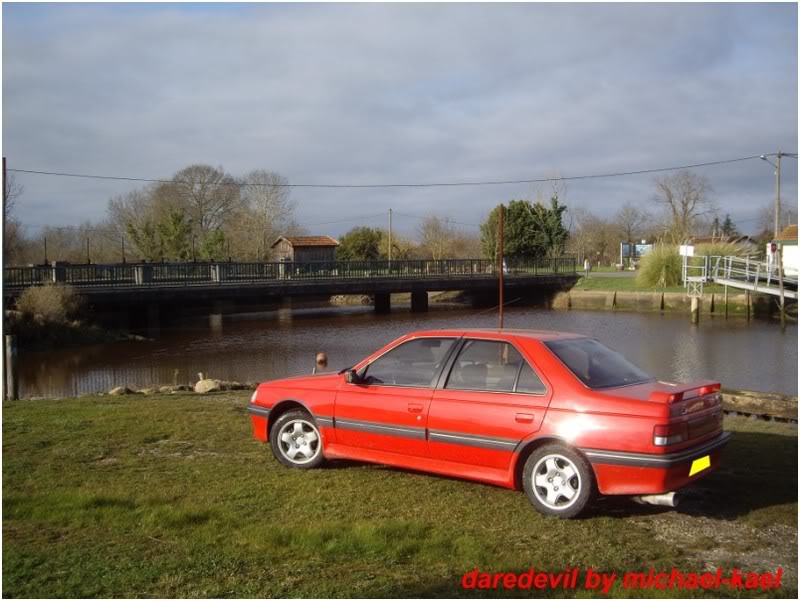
(187, 274)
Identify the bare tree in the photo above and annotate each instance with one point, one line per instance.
(631, 221)
(766, 218)
(436, 237)
(209, 195)
(592, 237)
(266, 212)
(685, 198)
(11, 225)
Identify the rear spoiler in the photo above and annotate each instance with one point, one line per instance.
(685, 391)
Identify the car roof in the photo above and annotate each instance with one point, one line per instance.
(496, 332)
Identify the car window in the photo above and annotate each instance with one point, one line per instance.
(529, 382)
(413, 363)
(596, 365)
(485, 365)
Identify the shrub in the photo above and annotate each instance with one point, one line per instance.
(660, 268)
(50, 303)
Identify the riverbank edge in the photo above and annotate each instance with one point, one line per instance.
(743, 402)
(714, 303)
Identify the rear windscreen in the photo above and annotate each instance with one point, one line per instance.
(596, 365)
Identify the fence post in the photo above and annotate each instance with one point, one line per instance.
(12, 381)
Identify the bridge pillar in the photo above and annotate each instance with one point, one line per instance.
(218, 309)
(419, 301)
(143, 274)
(383, 302)
(153, 320)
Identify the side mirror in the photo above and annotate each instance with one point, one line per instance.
(351, 377)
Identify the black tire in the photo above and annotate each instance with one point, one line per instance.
(566, 482)
(290, 437)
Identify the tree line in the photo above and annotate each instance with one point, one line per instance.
(205, 213)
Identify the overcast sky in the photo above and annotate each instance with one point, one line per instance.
(402, 93)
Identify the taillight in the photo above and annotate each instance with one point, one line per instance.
(665, 435)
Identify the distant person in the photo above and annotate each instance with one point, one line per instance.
(587, 267)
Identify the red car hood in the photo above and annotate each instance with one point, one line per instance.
(324, 380)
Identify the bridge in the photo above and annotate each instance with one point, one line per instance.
(151, 287)
(737, 272)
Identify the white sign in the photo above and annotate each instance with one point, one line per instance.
(686, 250)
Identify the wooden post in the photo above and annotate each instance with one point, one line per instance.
(12, 381)
(695, 309)
(748, 303)
(726, 301)
(500, 263)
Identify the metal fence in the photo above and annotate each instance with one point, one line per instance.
(188, 274)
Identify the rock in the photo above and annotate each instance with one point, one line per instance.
(146, 391)
(166, 389)
(120, 390)
(207, 385)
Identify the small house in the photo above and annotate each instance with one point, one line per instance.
(305, 249)
(786, 242)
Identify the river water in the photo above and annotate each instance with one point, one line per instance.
(753, 355)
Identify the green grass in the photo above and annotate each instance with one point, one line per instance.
(630, 283)
(169, 496)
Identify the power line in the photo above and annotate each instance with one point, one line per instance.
(412, 185)
(445, 219)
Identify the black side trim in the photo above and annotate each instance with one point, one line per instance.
(375, 428)
(258, 410)
(471, 440)
(326, 422)
(653, 460)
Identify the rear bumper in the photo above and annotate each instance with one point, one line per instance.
(620, 473)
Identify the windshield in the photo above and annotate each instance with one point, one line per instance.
(596, 365)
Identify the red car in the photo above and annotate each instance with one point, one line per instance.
(559, 415)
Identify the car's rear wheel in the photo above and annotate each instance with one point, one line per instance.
(296, 441)
(558, 481)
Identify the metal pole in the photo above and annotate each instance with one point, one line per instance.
(12, 382)
(780, 281)
(45, 250)
(123, 249)
(193, 257)
(88, 259)
(500, 261)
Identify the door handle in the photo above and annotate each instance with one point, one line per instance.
(524, 418)
(415, 407)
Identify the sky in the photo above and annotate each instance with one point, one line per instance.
(356, 94)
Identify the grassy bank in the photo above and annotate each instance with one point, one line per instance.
(169, 496)
(609, 283)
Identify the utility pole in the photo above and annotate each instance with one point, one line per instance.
(390, 235)
(45, 250)
(501, 261)
(778, 196)
(88, 260)
(123, 248)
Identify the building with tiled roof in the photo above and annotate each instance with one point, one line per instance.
(305, 249)
(788, 235)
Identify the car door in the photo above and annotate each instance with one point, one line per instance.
(490, 400)
(388, 409)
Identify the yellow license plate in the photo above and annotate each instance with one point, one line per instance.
(698, 465)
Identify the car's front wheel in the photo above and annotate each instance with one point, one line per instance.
(558, 481)
(296, 441)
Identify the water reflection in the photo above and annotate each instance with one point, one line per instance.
(260, 346)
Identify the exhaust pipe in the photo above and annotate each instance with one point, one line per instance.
(667, 499)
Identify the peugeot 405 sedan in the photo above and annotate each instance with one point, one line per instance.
(557, 415)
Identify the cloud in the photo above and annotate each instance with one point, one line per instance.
(399, 93)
